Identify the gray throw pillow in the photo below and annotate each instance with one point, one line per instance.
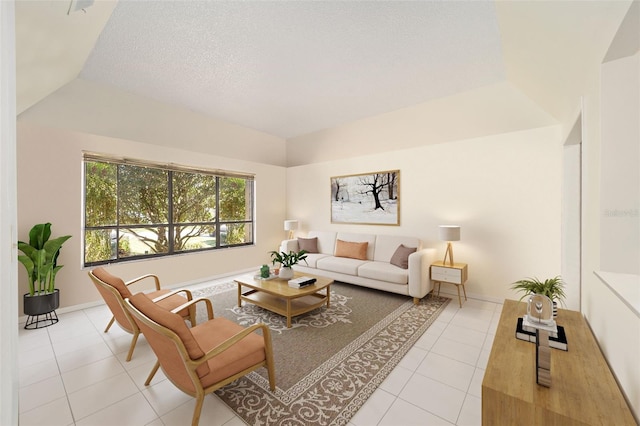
(308, 244)
(401, 257)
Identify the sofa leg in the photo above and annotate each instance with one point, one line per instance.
(416, 301)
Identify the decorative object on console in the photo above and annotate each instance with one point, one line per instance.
(528, 334)
(553, 288)
(287, 260)
(366, 199)
(291, 226)
(540, 317)
(449, 233)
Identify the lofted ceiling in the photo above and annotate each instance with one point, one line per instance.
(291, 68)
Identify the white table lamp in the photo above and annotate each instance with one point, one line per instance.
(449, 233)
(290, 225)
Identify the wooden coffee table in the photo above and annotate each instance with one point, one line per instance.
(275, 295)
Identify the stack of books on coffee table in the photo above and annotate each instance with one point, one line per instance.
(301, 282)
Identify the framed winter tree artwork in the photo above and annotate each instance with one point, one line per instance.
(368, 199)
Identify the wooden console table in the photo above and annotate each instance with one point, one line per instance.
(583, 390)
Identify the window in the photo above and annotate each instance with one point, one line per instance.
(137, 210)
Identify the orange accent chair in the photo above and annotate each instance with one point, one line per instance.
(114, 290)
(201, 359)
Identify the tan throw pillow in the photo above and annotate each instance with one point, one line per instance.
(310, 245)
(401, 257)
(351, 249)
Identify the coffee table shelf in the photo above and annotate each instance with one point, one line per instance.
(276, 295)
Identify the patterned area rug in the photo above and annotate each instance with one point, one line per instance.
(331, 360)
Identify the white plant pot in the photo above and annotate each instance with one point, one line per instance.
(286, 273)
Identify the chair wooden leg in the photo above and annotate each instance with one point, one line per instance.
(197, 410)
(110, 324)
(134, 339)
(268, 347)
(152, 373)
(416, 301)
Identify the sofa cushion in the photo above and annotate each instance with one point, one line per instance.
(351, 249)
(401, 257)
(238, 357)
(386, 246)
(310, 245)
(326, 241)
(312, 259)
(383, 271)
(341, 265)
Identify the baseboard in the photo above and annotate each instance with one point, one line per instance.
(453, 294)
(194, 283)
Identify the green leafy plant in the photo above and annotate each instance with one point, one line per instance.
(553, 288)
(40, 258)
(287, 260)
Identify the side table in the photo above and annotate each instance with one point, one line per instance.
(453, 274)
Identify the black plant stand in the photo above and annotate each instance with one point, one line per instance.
(41, 309)
(41, 321)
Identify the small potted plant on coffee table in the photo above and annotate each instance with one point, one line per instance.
(287, 260)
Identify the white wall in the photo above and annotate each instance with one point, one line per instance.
(503, 190)
(488, 110)
(615, 326)
(8, 251)
(50, 189)
(571, 222)
(620, 162)
(88, 107)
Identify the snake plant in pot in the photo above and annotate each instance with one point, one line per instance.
(40, 256)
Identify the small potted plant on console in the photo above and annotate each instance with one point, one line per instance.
(553, 288)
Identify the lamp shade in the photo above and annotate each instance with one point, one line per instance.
(449, 233)
(290, 225)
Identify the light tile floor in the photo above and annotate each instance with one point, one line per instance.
(74, 374)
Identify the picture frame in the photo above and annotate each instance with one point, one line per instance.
(366, 198)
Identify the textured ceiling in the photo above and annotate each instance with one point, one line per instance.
(292, 68)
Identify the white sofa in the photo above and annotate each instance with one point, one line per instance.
(375, 271)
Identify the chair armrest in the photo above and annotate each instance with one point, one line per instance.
(266, 334)
(187, 293)
(289, 245)
(135, 280)
(193, 302)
